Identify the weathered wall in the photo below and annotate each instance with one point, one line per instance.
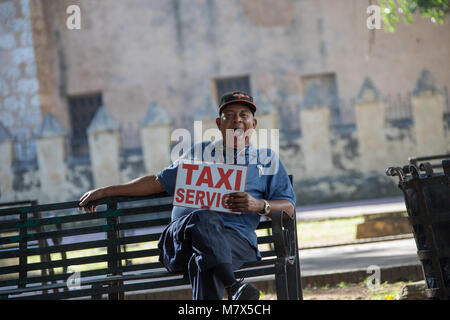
(139, 51)
(20, 109)
(359, 157)
(168, 52)
(351, 165)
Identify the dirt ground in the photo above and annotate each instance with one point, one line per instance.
(349, 291)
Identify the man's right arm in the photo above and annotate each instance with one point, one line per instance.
(142, 186)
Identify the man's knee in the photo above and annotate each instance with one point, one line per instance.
(204, 220)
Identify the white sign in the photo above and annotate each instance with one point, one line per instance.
(204, 185)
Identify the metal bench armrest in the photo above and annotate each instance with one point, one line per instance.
(287, 266)
(282, 239)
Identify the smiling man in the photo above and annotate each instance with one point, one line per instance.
(210, 245)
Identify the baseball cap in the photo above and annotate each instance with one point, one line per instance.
(237, 96)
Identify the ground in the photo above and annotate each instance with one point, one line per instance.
(348, 291)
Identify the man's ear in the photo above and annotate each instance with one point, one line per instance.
(255, 122)
(218, 122)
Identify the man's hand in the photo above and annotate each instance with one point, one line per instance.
(243, 202)
(90, 196)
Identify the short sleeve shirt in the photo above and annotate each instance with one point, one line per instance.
(266, 179)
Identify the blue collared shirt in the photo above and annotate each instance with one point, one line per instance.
(266, 179)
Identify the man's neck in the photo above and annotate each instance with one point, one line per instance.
(236, 148)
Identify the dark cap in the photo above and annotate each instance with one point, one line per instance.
(237, 96)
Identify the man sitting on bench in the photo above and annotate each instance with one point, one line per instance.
(210, 245)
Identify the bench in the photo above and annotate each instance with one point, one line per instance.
(16, 247)
(114, 250)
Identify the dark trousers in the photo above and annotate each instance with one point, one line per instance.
(198, 242)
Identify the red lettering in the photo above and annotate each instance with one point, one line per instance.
(224, 178)
(199, 196)
(218, 200)
(237, 182)
(189, 195)
(210, 199)
(205, 177)
(180, 194)
(190, 168)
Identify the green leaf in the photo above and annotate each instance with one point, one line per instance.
(436, 10)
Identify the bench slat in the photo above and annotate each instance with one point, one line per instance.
(56, 249)
(265, 239)
(81, 216)
(55, 264)
(74, 204)
(56, 277)
(76, 231)
(108, 289)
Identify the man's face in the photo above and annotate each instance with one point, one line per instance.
(236, 123)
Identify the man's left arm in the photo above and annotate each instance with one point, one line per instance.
(280, 205)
